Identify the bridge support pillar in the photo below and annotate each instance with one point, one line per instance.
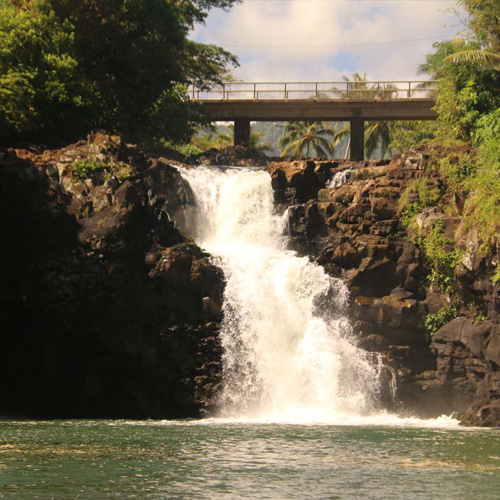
(357, 152)
(241, 131)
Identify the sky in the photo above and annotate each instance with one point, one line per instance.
(324, 40)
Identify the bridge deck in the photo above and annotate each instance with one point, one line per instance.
(322, 109)
(355, 102)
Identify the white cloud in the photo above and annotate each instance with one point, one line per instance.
(323, 40)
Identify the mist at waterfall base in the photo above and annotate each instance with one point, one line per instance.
(299, 414)
(289, 352)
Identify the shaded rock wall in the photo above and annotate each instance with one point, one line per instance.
(106, 309)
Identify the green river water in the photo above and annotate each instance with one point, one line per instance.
(69, 460)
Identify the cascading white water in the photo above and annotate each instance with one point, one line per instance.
(340, 178)
(288, 349)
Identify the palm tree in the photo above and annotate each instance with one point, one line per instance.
(255, 142)
(212, 138)
(378, 135)
(299, 138)
(484, 23)
(358, 88)
(340, 134)
(481, 57)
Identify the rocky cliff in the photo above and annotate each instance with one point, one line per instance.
(106, 309)
(347, 216)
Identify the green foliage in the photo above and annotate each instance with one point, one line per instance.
(85, 168)
(441, 258)
(427, 195)
(257, 143)
(469, 86)
(484, 22)
(483, 205)
(303, 138)
(187, 149)
(123, 67)
(433, 322)
(213, 138)
(461, 102)
(458, 170)
(480, 318)
(496, 275)
(487, 127)
(408, 134)
(41, 87)
(410, 213)
(123, 173)
(378, 135)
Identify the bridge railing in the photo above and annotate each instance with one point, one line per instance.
(422, 89)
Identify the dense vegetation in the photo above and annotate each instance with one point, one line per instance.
(466, 138)
(468, 103)
(68, 68)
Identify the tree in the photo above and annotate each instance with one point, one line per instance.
(484, 23)
(407, 134)
(378, 137)
(299, 138)
(132, 57)
(257, 143)
(211, 138)
(357, 87)
(41, 87)
(466, 90)
(378, 134)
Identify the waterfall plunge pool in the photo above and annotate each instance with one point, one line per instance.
(89, 460)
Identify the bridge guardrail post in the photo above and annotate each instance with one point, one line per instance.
(255, 91)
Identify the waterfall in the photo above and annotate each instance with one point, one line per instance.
(288, 350)
(340, 178)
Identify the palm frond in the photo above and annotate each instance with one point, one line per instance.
(479, 57)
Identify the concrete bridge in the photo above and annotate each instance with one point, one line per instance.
(355, 102)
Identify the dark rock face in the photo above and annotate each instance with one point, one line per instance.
(468, 358)
(354, 231)
(106, 309)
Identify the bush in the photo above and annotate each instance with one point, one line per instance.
(441, 261)
(427, 195)
(84, 169)
(457, 172)
(433, 322)
(410, 213)
(483, 206)
(408, 134)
